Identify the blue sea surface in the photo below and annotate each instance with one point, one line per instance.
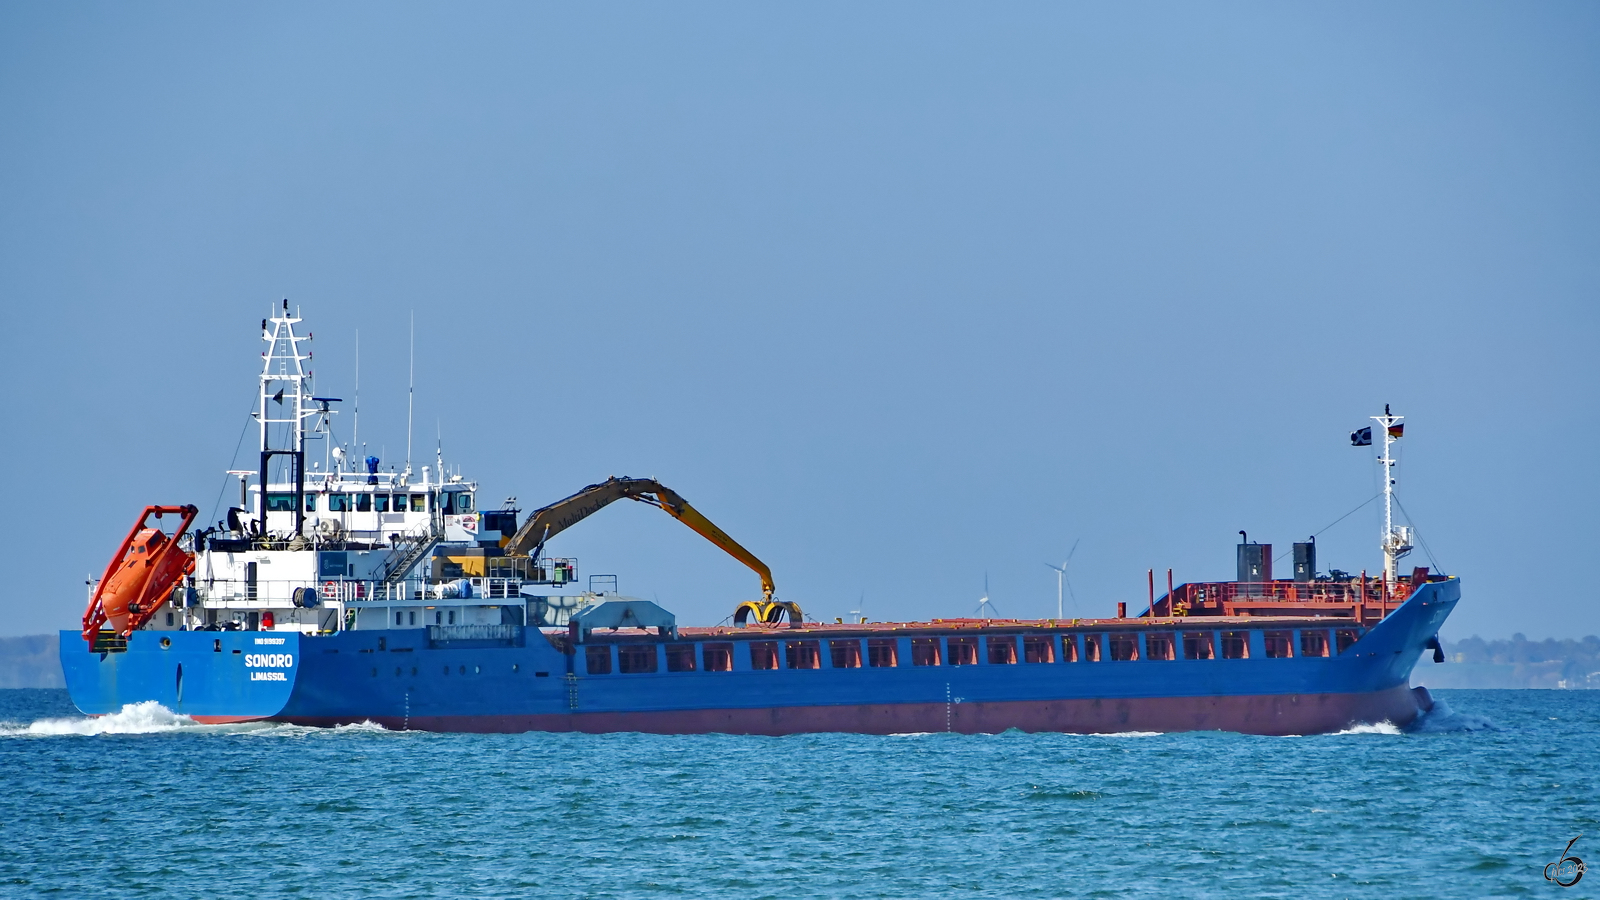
(1473, 802)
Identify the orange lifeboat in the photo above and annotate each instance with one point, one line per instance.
(141, 575)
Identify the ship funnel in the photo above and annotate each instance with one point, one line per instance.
(1255, 562)
(1305, 560)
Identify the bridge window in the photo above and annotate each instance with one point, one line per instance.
(1002, 650)
(1313, 643)
(280, 503)
(311, 503)
(1280, 644)
(1343, 638)
(1124, 646)
(636, 659)
(1198, 645)
(381, 501)
(598, 660)
(419, 502)
(457, 502)
(1236, 645)
(363, 503)
(338, 503)
(763, 654)
(845, 654)
(680, 657)
(1038, 648)
(963, 651)
(718, 657)
(881, 653)
(802, 655)
(1158, 645)
(1091, 648)
(924, 651)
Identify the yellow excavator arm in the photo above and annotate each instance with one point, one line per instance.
(550, 521)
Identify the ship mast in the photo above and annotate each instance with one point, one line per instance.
(285, 390)
(1395, 542)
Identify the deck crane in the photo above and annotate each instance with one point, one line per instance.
(551, 520)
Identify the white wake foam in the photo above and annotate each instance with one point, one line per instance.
(148, 717)
(284, 729)
(1377, 728)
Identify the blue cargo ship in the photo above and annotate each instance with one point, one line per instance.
(343, 593)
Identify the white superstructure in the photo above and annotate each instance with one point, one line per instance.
(343, 544)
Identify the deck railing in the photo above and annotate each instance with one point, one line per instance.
(1373, 591)
(272, 592)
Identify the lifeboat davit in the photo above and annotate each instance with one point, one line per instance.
(141, 575)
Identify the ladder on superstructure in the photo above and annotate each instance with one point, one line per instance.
(408, 551)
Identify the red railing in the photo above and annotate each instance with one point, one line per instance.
(1216, 595)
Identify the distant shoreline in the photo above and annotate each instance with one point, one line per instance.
(33, 661)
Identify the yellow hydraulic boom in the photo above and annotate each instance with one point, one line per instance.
(550, 521)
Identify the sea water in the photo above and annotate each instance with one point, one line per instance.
(1473, 801)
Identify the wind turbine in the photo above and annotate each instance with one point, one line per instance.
(1061, 577)
(995, 613)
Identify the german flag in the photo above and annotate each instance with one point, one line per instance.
(1397, 431)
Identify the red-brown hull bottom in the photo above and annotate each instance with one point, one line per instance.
(1276, 714)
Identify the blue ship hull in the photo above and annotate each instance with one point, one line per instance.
(414, 679)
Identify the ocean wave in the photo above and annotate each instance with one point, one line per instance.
(1444, 720)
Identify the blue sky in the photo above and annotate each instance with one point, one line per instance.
(898, 294)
